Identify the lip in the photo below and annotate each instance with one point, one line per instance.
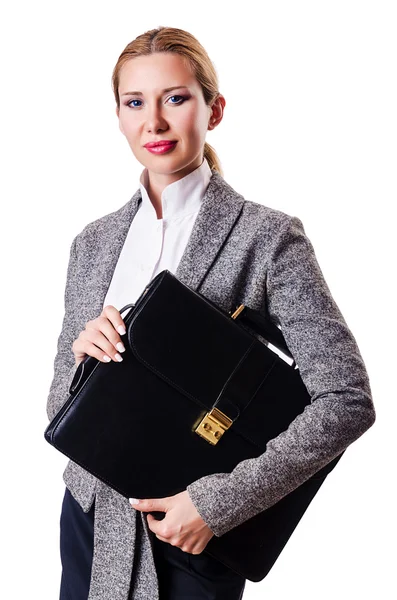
(161, 148)
(160, 143)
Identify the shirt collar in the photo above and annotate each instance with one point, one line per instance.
(180, 197)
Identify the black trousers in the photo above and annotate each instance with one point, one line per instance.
(181, 575)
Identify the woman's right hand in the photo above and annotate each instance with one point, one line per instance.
(101, 337)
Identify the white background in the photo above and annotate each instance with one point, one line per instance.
(310, 129)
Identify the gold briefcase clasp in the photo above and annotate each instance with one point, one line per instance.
(213, 426)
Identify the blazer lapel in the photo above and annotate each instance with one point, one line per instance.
(220, 207)
(112, 243)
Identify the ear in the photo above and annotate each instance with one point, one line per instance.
(217, 109)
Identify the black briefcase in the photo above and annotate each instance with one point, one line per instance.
(197, 392)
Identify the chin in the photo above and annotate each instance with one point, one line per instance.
(165, 164)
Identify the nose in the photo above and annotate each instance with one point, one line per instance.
(155, 120)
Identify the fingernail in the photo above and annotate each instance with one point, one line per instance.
(107, 358)
(118, 357)
(120, 347)
(121, 330)
(133, 501)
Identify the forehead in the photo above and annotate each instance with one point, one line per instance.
(156, 72)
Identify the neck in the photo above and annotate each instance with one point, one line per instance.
(157, 182)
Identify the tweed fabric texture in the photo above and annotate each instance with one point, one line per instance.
(239, 251)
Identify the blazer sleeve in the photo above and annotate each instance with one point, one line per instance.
(331, 366)
(64, 362)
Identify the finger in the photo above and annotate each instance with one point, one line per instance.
(102, 333)
(111, 313)
(83, 347)
(94, 343)
(154, 525)
(151, 504)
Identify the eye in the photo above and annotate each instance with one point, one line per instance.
(183, 99)
(175, 103)
(129, 103)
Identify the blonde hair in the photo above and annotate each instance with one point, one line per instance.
(172, 39)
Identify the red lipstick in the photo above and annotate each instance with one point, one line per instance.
(161, 146)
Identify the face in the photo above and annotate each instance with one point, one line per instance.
(148, 113)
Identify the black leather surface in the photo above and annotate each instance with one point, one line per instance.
(131, 424)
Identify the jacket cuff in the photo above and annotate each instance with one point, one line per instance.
(221, 505)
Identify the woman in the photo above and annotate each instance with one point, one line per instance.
(186, 218)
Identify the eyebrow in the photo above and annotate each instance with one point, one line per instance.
(175, 87)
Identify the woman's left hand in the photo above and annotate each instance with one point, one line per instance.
(182, 525)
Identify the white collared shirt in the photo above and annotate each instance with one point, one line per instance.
(153, 244)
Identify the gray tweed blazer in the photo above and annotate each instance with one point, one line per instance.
(238, 251)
